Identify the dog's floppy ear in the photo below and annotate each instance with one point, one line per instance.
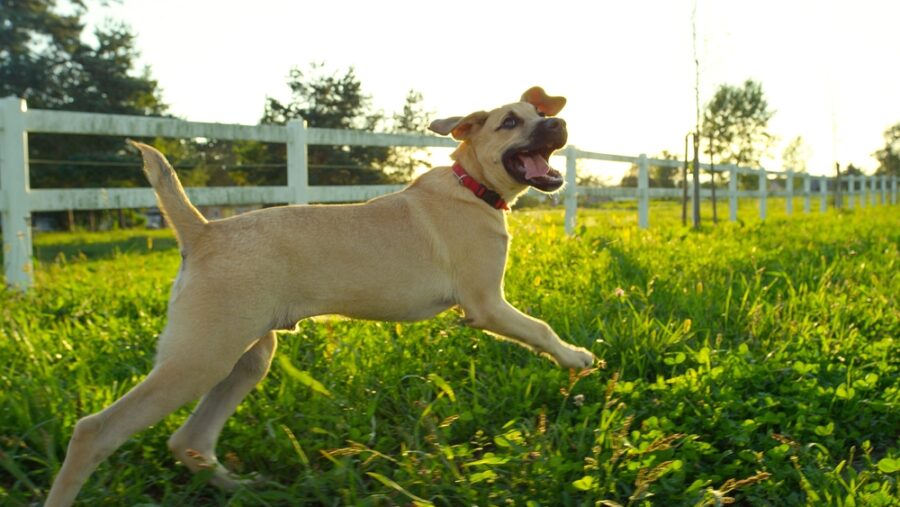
(536, 96)
(458, 126)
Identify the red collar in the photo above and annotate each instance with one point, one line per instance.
(482, 192)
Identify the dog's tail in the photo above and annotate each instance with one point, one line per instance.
(184, 218)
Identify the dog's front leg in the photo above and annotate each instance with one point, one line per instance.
(499, 317)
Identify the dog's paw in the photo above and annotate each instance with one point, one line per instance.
(578, 358)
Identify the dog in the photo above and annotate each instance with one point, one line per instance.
(441, 242)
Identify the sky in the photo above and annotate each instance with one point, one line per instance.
(830, 69)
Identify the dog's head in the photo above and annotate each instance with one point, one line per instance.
(509, 148)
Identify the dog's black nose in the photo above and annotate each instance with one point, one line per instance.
(554, 123)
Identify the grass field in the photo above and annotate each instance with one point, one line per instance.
(758, 362)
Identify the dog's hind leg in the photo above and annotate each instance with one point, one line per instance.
(195, 442)
(184, 373)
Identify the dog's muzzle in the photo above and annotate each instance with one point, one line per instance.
(530, 163)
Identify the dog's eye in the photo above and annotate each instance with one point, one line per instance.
(510, 122)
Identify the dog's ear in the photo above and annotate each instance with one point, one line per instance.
(536, 96)
(458, 126)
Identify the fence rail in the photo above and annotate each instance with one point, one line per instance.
(18, 200)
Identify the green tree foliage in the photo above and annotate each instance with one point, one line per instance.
(889, 156)
(336, 101)
(852, 170)
(47, 61)
(664, 177)
(218, 163)
(736, 123)
(659, 176)
(584, 178)
(404, 162)
(795, 155)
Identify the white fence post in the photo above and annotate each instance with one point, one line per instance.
(859, 191)
(14, 183)
(894, 189)
(298, 161)
(643, 192)
(733, 193)
(874, 190)
(807, 190)
(823, 194)
(763, 193)
(789, 204)
(851, 191)
(872, 195)
(571, 194)
(884, 189)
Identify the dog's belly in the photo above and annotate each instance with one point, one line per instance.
(393, 312)
(383, 299)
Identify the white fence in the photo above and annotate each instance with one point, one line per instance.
(18, 200)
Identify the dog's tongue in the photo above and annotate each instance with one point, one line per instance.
(535, 166)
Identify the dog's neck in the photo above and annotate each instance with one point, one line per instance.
(502, 183)
(493, 199)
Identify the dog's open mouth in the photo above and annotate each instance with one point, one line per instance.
(531, 166)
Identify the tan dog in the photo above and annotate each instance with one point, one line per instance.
(404, 256)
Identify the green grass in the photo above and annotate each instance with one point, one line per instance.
(761, 351)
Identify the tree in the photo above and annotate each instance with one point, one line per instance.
(736, 122)
(46, 60)
(795, 155)
(589, 179)
(852, 170)
(664, 176)
(414, 119)
(889, 156)
(658, 176)
(333, 101)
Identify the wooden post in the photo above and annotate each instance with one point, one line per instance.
(14, 183)
(571, 193)
(838, 195)
(763, 193)
(712, 181)
(684, 183)
(823, 194)
(643, 192)
(789, 204)
(712, 174)
(298, 161)
(884, 189)
(733, 193)
(696, 178)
